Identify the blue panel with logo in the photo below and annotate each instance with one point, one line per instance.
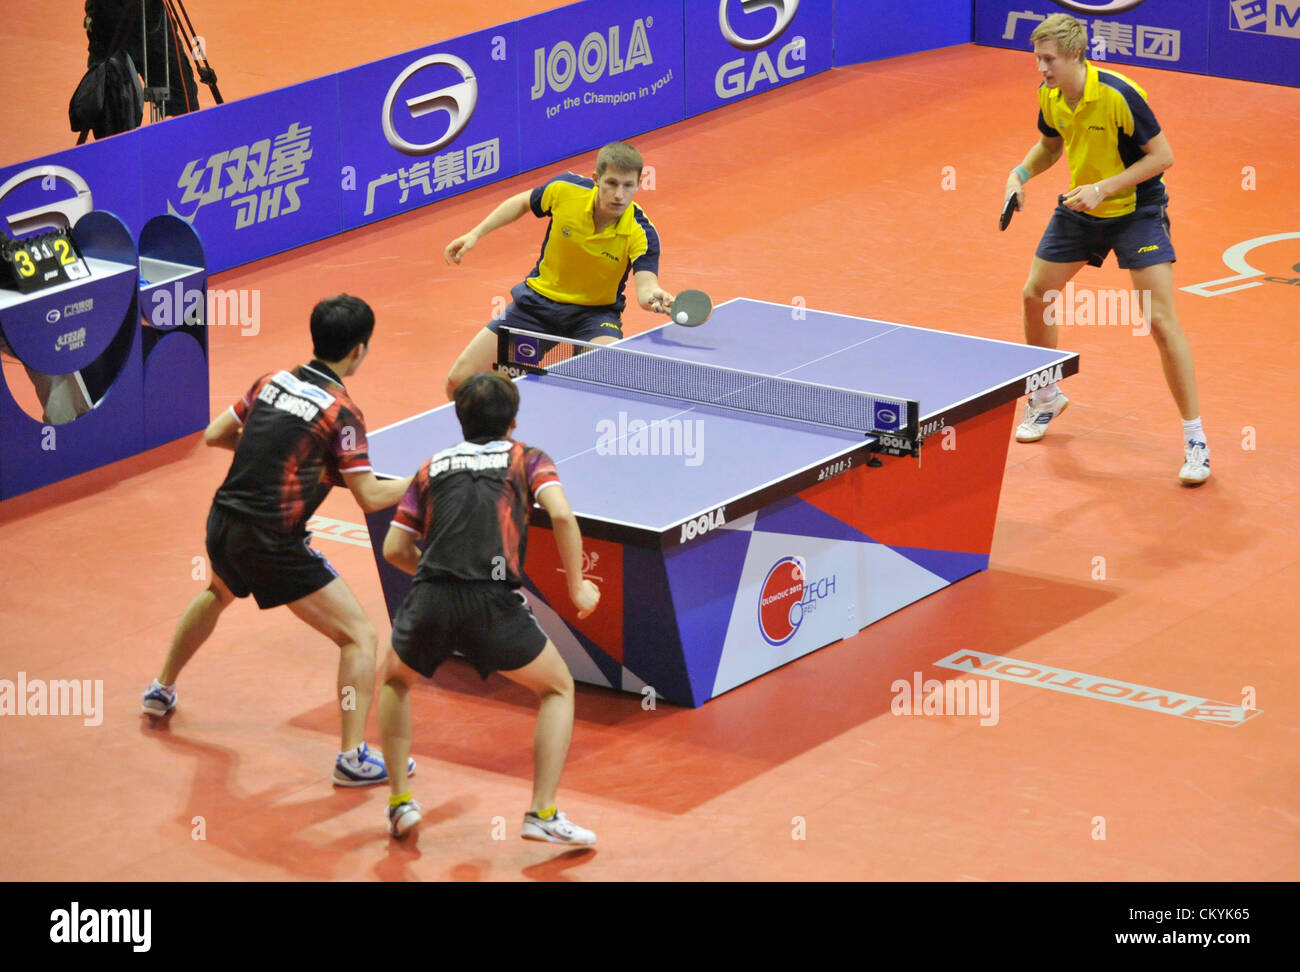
(1258, 40)
(55, 191)
(597, 72)
(254, 177)
(1154, 33)
(738, 48)
(867, 30)
(429, 124)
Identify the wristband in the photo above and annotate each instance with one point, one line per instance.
(1021, 173)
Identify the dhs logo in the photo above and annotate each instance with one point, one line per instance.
(526, 349)
(457, 100)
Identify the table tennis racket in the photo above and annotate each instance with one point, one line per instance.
(1008, 208)
(691, 308)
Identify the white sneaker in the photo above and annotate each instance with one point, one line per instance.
(558, 830)
(1034, 425)
(404, 818)
(1196, 469)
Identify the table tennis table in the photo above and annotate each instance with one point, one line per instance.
(727, 544)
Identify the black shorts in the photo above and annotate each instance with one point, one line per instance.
(276, 568)
(1140, 239)
(530, 311)
(486, 621)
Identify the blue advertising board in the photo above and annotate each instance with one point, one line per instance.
(868, 30)
(57, 190)
(1153, 33)
(253, 177)
(738, 48)
(1256, 40)
(428, 124)
(597, 72)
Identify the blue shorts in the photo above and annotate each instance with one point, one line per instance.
(530, 311)
(1140, 239)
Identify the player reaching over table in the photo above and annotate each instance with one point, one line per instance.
(597, 235)
(294, 435)
(1116, 153)
(468, 506)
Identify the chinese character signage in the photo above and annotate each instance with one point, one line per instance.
(1153, 33)
(254, 177)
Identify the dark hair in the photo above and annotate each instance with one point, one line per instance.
(339, 324)
(486, 404)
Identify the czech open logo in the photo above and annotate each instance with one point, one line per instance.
(780, 601)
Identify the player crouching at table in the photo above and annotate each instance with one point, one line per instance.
(295, 435)
(469, 506)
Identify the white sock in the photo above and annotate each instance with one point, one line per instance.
(1044, 395)
(1192, 430)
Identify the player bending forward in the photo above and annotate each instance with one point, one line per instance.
(597, 235)
(1116, 153)
(469, 506)
(294, 435)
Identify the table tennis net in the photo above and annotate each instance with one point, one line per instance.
(615, 366)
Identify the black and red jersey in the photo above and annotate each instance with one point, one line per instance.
(469, 505)
(301, 433)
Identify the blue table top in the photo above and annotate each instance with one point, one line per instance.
(615, 471)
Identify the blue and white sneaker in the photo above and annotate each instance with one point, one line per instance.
(158, 700)
(1196, 468)
(364, 767)
(1034, 425)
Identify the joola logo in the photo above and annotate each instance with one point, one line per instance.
(1043, 379)
(703, 524)
(594, 58)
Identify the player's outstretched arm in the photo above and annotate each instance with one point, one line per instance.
(374, 494)
(650, 295)
(506, 213)
(582, 592)
(400, 549)
(224, 431)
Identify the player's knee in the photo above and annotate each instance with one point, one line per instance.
(559, 681)
(1034, 294)
(1163, 326)
(360, 634)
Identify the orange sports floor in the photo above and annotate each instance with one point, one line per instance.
(831, 191)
